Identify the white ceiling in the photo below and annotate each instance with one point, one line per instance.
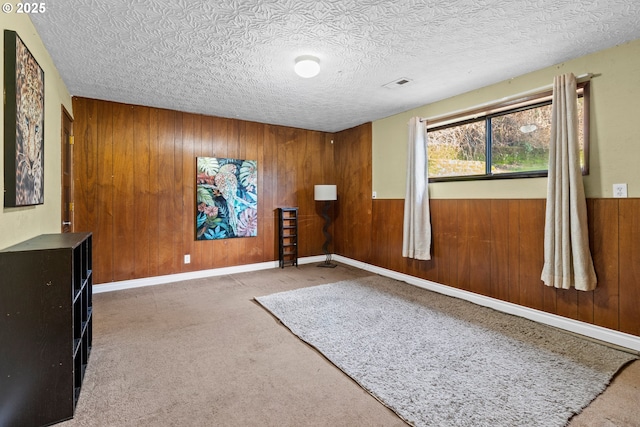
(234, 58)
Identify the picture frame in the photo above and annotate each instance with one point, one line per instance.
(226, 198)
(23, 125)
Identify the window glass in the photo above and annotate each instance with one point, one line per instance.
(581, 138)
(458, 150)
(500, 141)
(520, 140)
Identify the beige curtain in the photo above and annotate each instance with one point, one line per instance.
(567, 259)
(416, 238)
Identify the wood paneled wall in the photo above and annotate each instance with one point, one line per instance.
(492, 247)
(353, 178)
(495, 248)
(134, 186)
(134, 189)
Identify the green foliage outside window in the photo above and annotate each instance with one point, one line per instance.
(512, 142)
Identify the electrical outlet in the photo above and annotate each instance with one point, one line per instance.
(187, 259)
(374, 195)
(619, 190)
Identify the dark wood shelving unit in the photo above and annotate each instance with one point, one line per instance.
(288, 236)
(45, 327)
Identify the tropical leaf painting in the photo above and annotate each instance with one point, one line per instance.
(226, 198)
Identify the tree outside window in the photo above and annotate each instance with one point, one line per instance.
(505, 142)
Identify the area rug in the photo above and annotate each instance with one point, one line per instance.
(440, 361)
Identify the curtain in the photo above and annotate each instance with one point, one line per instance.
(416, 233)
(567, 259)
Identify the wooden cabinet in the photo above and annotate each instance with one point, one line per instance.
(288, 236)
(45, 327)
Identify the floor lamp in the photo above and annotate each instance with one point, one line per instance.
(326, 194)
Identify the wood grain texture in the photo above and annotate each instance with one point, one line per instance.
(167, 217)
(191, 132)
(123, 193)
(566, 302)
(499, 249)
(531, 260)
(437, 243)
(207, 149)
(379, 252)
(104, 238)
(511, 232)
(177, 190)
(463, 269)
(449, 244)
(253, 142)
(66, 171)
(585, 299)
(629, 265)
(135, 186)
(85, 164)
(514, 251)
(306, 204)
(604, 220)
(354, 180)
(153, 216)
(480, 247)
(287, 140)
(268, 181)
(141, 183)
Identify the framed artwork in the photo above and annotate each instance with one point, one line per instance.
(226, 198)
(23, 125)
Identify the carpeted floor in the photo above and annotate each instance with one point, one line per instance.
(437, 360)
(203, 353)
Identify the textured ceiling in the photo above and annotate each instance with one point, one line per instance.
(235, 58)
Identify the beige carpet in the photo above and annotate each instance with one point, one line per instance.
(203, 353)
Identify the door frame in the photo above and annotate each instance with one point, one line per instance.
(66, 149)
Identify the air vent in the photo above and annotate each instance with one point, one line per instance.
(398, 83)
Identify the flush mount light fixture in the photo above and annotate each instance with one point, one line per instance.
(307, 66)
(528, 128)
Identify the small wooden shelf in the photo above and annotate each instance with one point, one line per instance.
(288, 236)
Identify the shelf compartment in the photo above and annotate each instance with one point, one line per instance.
(77, 317)
(288, 236)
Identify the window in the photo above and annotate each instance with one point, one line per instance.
(506, 140)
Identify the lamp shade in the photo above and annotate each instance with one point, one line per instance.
(325, 192)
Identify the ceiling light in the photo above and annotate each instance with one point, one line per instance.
(307, 66)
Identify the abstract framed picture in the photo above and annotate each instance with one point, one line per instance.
(226, 198)
(23, 125)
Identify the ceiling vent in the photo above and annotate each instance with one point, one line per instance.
(398, 83)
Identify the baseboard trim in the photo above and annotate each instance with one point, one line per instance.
(622, 340)
(178, 277)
